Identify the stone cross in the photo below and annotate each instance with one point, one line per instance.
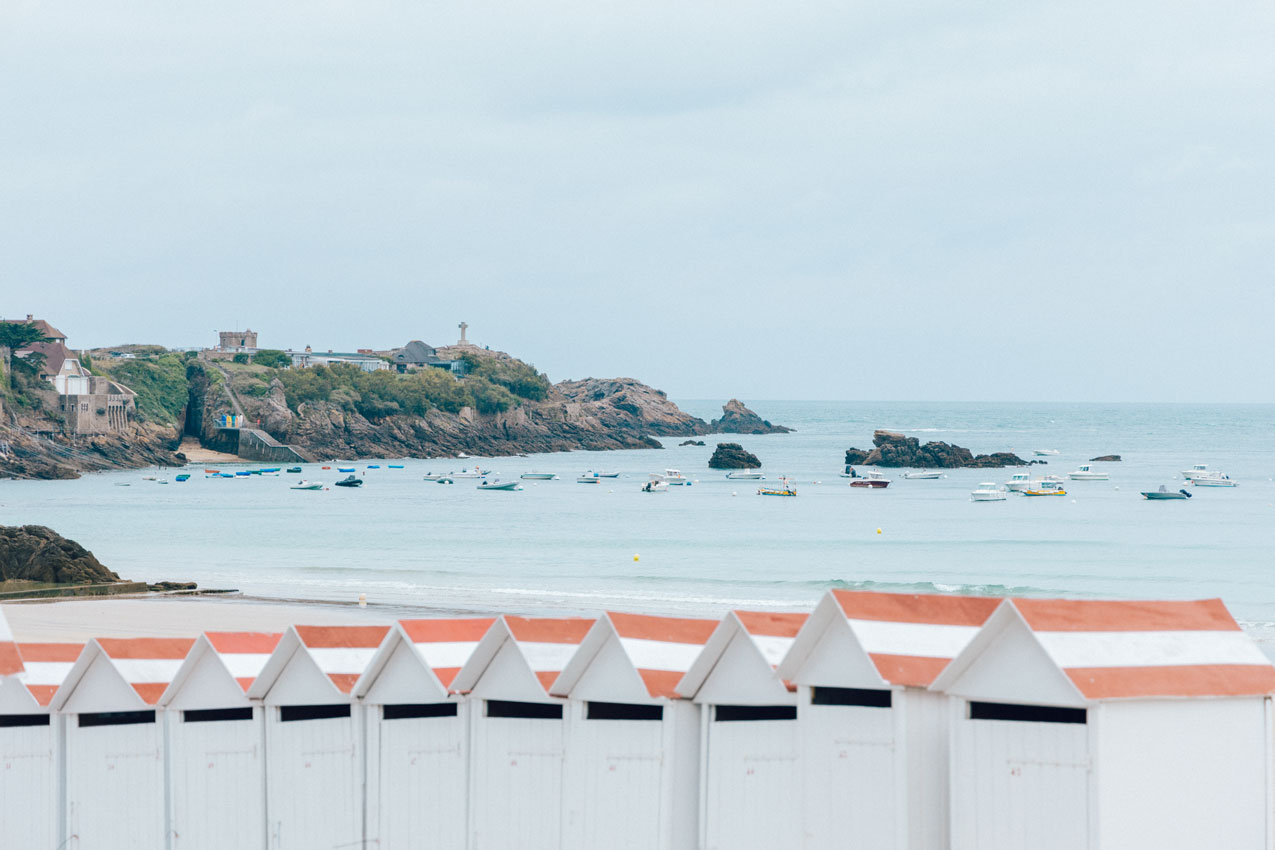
(463, 327)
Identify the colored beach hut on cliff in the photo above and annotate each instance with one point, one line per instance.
(30, 746)
(519, 731)
(115, 753)
(750, 749)
(314, 735)
(418, 733)
(1110, 725)
(215, 742)
(632, 754)
(874, 740)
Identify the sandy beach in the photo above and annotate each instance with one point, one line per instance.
(196, 453)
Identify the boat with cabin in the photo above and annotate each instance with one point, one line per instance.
(1087, 473)
(1046, 487)
(874, 480)
(1018, 482)
(783, 488)
(1213, 481)
(988, 491)
(670, 476)
(923, 474)
(472, 473)
(745, 475)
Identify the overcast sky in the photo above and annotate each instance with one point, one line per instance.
(847, 200)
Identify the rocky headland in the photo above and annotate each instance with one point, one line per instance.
(738, 419)
(733, 456)
(892, 449)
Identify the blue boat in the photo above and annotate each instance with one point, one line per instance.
(396, 466)
(272, 469)
(345, 469)
(243, 474)
(373, 466)
(183, 477)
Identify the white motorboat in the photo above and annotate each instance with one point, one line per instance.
(307, 485)
(1045, 452)
(1046, 487)
(745, 475)
(1197, 471)
(670, 476)
(925, 474)
(655, 487)
(538, 476)
(497, 484)
(606, 474)
(875, 480)
(464, 456)
(436, 476)
(1018, 482)
(1087, 473)
(988, 491)
(472, 473)
(1214, 475)
(1211, 481)
(588, 478)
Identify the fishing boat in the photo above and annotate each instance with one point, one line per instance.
(670, 476)
(307, 485)
(1087, 473)
(1045, 452)
(1214, 475)
(1210, 481)
(1045, 487)
(655, 487)
(924, 474)
(1197, 471)
(588, 478)
(745, 475)
(538, 476)
(988, 491)
(1165, 494)
(875, 480)
(497, 484)
(293, 470)
(185, 476)
(1018, 482)
(472, 473)
(349, 481)
(783, 488)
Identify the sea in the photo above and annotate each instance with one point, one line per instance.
(561, 546)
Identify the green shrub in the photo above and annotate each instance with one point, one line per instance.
(159, 381)
(240, 358)
(386, 393)
(272, 358)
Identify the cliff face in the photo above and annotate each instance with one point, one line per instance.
(36, 553)
(52, 455)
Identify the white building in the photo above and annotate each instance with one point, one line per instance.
(874, 741)
(115, 754)
(216, 743)
(1112, 725)
(751, 772)
(418, 733)
(366, 362)
(632, 752)
(519, 731)
(314, 735)
(30, 746)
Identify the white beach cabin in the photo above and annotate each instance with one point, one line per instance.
(632, 753)
(518, 731)
(216, 743)
(115, 755)
(418, 733)
(30, 753)
(751, 780)
(1113, 725)
(314, 735)
(874, 741)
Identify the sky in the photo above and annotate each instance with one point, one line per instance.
(1021, 201)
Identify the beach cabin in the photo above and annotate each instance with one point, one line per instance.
(216, 743)
(751, 782)
(1095, 724)
(418, 733)
(314, 735)
(874, 740)
(30, 752)
(10, 660)
(518, 731)
(632, 752)
(114, 733)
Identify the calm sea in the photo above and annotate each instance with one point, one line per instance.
(563, 546)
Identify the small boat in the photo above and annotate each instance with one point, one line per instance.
(211, 471)
(1045, 452)
(849, 472)
(270, 469)
(875, 480)
(349, 481)
(265, 474)
(538, 476)
(122, 484)
(745, 475)
(444, 480)
(988, 491)
(497, 484)
(1211, 481)
(162, 481)
(1045, 487)
(472, 473)
(373, 466)
(607, 474)
(1087, 473)
(327, 467)
(343, 468)
(1197, 471)
(1018, 482)
(185, 476)
(293, 470)
(655, 487)
(924, 474)
(225, 475)
(464, 455)
(430, 476)
(1164, 494)
(396, 466)
(588, 478)
(242, 473)
(672, 476)
(149, 478)
(307, 485)
(784, 488)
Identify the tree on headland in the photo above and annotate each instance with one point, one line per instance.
(15, 335)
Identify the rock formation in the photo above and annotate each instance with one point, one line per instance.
(733, 456)
(691, 443)
(896, 450)
(738, 419)
(1105, 459)
(36, 553)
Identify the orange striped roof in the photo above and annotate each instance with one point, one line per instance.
(1086, 615)
(247, 643)
(50, 651)
(772, 623)
(456, 630)
(937, 609)
(668, 629)
(124, 648)
(50, 662)
(549, 629)
(340, 637)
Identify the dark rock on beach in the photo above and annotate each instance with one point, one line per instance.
(896, 450)
(733, 456)
(738, 419)
(37, 553)
(1105, 459)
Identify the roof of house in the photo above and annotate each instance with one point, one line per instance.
(10, 659)
(47, 666)
(415, 352)
(1128, 650)
(658, 649)
(55, 354)
(41, 325)
(769, 634)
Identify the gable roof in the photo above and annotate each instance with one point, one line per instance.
(47, 666)
(1129, 650)
(241, 655)
(544, 644)
(769, 633)
(339, 653)
(441, 646)
(10, 659)
(658, 649)
(415, 352)
(55, 354)
(145, 666)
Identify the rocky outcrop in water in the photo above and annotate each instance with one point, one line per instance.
(738, 419)
(896, 450)
(37, 553)
(1105, 459)
(733, 456)
(692, 443)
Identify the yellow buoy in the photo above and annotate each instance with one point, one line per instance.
(878, 531)
(635, 557)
